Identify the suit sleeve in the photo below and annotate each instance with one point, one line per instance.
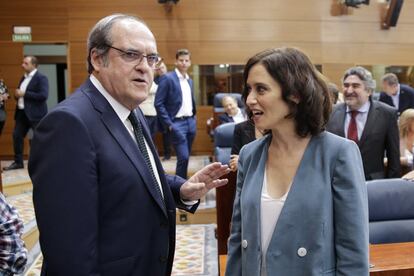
(350, 204)
(392, 147)
(41, 91)
(63, 170)
(234, 253)
(160, 102)
(175, 182)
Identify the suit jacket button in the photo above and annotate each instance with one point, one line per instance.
(244, 243)
(163, 259)
(302, 252)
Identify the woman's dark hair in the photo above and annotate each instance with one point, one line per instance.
(298, 78)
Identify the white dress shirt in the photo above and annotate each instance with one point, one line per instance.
(186, 108)
(23, 87)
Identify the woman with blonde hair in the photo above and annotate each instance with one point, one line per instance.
(406, 126)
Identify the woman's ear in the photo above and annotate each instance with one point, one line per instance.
(294, 98)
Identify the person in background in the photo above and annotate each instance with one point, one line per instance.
(166, 135)
(103, 203)
(334, 92)
(398, 95)
(244, 133)
(232, 113)
(371, 124)
(406, 127)
(4, 96)
(176, 108)
(31, 97)
(13, 254)
(301, 199)
(147, 106)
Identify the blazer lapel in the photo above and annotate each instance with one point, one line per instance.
(124, 139)
(370, 123)
(291, 210)
(340, 120)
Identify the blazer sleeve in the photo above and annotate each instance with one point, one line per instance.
(350, 206)
(63, 169)
(234, 252)
(160, 102)
(40, 90)
(392, 147)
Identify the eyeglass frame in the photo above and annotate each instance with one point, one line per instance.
(138, 56)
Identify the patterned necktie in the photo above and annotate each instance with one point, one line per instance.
(139, 136)
(352, 128)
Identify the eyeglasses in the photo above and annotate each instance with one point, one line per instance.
(136, 57)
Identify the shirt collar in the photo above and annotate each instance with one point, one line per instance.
(181, 76)
(31, 74)
(119, 109)
(363, 109)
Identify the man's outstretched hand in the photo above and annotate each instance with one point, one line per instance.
(203, 181)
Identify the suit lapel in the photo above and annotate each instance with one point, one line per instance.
(123, 138)
(370, 123)
(339, 120)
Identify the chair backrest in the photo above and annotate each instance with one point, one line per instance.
(223, 141)
(391, 210)
(218, 108)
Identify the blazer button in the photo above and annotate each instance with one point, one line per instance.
(244, 243)
(163, 259)
(302, 252)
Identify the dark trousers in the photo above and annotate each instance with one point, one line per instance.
(22, 126)
(166, 143)
(182, 135)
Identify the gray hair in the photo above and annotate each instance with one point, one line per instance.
(364, 75)
(100, 36)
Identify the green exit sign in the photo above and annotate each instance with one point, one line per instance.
(22, 37)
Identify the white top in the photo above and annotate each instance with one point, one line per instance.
(186, 108)
(270, 212)
(123, 114)
(23, 87)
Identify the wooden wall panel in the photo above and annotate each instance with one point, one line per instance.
(218, 31)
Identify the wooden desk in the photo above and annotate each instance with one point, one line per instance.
(392, 259)
(396, 259)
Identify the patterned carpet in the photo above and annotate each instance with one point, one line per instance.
(195, 255)
(196, 247)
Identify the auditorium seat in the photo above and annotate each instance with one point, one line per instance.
(391, 210)
(223, 140)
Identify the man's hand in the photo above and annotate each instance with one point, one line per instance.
(203, 181)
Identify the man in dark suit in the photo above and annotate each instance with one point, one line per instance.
(176, 109)
(103, 204)
(371, 124)
(31, 97)
(398, 95)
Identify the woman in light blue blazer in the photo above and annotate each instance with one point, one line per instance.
(301, 200)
